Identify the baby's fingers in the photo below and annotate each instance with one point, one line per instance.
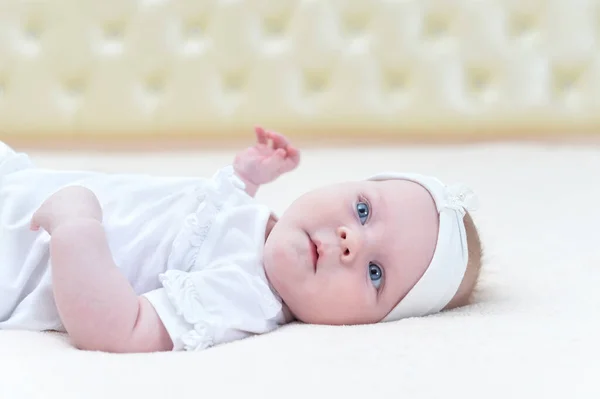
(261, 135)
(273, 161)
(288, 165)
(278, 139)
(293, 154)
(279, 153)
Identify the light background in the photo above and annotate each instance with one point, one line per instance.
(450, 88)
(168, 71)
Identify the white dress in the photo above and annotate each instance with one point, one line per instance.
(192, 246)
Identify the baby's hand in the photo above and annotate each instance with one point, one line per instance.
(67, 204)
(264, 162)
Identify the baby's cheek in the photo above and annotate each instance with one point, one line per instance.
(339, 288)
(280, 254)
(277, 259)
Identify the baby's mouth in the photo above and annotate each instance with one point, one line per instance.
(314, 254)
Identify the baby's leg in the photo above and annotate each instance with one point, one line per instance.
(97, 305)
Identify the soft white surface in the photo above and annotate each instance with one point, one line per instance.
(533, 334)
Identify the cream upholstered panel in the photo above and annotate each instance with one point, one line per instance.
(206, 67)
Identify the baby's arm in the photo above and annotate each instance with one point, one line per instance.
(264, 162)
(96, 303)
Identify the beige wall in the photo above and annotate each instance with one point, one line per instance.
(123, 69)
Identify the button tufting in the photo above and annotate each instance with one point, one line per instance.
(161, 66)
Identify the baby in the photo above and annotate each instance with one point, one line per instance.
(136, 263)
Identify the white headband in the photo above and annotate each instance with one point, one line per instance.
(441, 280)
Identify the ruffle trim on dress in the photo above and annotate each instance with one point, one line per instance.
(184, 296)
(211, 197)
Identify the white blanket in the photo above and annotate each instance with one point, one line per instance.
(533, 332)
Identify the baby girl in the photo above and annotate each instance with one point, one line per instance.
(136, 263)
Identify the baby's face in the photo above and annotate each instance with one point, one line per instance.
(349, 252)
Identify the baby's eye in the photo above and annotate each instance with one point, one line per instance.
(375, 274)
(363, 211)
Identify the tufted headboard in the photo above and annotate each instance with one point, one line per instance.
(213, 68)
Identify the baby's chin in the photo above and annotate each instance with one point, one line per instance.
(279, 273)
(273, 257)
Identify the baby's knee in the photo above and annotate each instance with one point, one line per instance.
(83, 194)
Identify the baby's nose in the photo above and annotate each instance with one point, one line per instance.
(349, 244)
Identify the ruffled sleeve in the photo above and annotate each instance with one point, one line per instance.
(212, 196)
(12, 161)
(204, 308)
